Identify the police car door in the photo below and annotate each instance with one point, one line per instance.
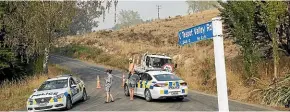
(79, 88)
(74, 90)
(136, 90)
(141, 84)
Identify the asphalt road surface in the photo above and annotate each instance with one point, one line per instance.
(88, 72)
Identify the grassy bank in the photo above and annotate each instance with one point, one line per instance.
(15, 94)
(92, 54)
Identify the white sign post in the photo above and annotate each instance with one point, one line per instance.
(220, 69)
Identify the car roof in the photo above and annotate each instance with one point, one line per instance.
(158, 72)
(60, 77)
(159, 56)
(57, 78)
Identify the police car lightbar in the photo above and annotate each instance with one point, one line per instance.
(154, 69)
(65, 75)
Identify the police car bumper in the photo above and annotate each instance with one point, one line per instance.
(159, 93)
(49, 106)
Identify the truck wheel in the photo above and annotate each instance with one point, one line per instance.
(126, 91)
(148, 95)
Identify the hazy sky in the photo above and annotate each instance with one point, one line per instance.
(147, 10)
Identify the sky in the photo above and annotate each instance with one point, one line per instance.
(146, 9)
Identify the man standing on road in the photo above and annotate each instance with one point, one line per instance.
(134, 78)
(108, 85)
(131, 67)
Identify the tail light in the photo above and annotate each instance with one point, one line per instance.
(160, 85)
(183, 84)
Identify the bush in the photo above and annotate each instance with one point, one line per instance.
(275, 94)
(77, 51)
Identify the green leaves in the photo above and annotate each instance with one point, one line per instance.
(6, 58)
(259, 27)
(239, 16)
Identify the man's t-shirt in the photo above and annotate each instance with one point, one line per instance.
(109, 80)
(133, 79)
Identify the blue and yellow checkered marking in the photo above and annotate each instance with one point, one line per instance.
(145, 84)
(163, 91)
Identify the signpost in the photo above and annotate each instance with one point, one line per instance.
(212, 29)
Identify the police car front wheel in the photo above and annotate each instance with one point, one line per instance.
(68, 103)
(148, 95)
(85, 96)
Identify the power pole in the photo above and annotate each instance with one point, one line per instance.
(158, 8)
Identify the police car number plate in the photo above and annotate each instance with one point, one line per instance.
(174, 93)
(42, 104)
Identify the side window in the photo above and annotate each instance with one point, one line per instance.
(147, 61)
(140, 76)
(76, 80)
(72, 82)
(149, 78)
(143, 77)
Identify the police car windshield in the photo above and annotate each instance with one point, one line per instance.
(166, 77)
(54, 84)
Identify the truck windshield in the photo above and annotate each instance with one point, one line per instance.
(55, 84)
(159, 62)
(166, 77)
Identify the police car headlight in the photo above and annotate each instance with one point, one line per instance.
(59, 96)
(30, 100)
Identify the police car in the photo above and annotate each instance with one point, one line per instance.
(57, 93)
(159, 85)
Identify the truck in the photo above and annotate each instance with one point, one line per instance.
(154, 62)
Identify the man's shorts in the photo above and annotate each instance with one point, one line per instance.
(132, 86)
(108, 88)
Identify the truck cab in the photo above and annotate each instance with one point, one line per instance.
(154, 61)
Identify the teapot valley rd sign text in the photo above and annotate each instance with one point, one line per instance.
(196, 33)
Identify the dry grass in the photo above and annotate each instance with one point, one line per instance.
(195, 61)
(15, 94)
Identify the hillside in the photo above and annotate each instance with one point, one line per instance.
(195, 61)
(159, 37)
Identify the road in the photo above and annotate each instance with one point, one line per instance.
(88, 72)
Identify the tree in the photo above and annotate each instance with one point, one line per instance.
(127, 18)
(273, 14)
(29, 28)
(265, 23)
(240, 17)
(196, 6)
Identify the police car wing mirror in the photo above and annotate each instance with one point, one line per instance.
(34, 90)
(73, 86)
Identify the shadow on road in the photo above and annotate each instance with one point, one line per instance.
(169, 100)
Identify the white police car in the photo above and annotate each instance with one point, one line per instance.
(159, 85)
(57, 93)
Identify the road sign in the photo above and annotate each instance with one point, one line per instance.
(196, 33)
(210, 30)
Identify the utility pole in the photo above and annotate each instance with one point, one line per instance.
(158, 8)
